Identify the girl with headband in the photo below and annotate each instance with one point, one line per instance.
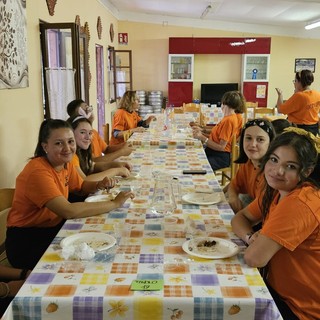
(255, 138)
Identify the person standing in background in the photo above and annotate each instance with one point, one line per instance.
(303, 106)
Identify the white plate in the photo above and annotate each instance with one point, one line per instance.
(98, 241)
(222, 248)
(100, 197)
(201, 198)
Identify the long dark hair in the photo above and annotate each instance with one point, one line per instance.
(265, 125)
(307, 156)
(47, 126)
(85, 156)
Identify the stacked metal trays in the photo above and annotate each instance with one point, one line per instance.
(155, 99)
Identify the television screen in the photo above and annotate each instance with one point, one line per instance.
(212, 92)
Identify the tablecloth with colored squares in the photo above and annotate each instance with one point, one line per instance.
(194, 288)
(173, 134)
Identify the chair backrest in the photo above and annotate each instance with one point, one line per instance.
(234, 156)
(6, 198)
(3, 229)
(229, 172)
(178, 109)
(249, 110)
(106, 133)
(260, 112)
(191, 107)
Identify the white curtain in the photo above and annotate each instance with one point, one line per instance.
(61, 90)
(121, 87)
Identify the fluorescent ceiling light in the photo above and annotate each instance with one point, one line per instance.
(312, 25)
(206, 11)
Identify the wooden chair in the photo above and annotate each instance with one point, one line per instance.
(6, 198)
(249, 109)
(262, 112)
(106, 133)
(229, 172)
(178, 109)
(191, 107)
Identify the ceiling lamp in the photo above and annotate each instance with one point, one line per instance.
(206, 11)
(312, 25)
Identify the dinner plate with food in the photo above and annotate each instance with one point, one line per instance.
(98, 241)
(210, 248)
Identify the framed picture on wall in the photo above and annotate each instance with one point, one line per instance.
(305, 64)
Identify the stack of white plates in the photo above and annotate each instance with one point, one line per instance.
(142, 95)
(145, 110)
(155, 99)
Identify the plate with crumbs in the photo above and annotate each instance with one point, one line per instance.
(201, 198)
(210, 248)
(98, 241)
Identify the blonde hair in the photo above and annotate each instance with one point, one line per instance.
(127, 100)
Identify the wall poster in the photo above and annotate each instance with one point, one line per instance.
(305, 64)
(13, 44)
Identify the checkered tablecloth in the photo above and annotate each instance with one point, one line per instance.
(194, 288)
(173, 134)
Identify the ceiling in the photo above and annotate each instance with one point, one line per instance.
(270, 17)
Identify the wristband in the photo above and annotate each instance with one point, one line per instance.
(23, 274)
(205, 142)
(248, 237)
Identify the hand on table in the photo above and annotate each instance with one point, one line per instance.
(122, 197)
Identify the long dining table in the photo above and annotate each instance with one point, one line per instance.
(149, 272)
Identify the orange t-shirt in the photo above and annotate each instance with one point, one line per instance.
(98, 145)
(226, 129)
(303, 107)
(122, 121)
(247, 180)
(294, 223)
(35, 186)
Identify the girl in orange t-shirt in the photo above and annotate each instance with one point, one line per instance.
(126, 120)
(40, 204)
(288, 245)
(218, 144)
(255, 138)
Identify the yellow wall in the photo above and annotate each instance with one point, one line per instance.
(149, 44)
(21, 109)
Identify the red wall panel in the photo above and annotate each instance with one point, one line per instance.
(249, 90)
(179, 93)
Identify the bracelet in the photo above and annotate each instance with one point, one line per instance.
(205, 142)
(248, 237)
(6, 287)
(23, 274)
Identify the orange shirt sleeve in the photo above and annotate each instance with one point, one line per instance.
(98, 145)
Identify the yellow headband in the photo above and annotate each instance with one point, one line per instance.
(312, 137)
